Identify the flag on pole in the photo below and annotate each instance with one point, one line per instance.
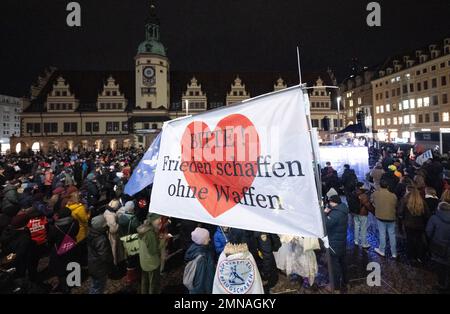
(247, 166)
(144, 173)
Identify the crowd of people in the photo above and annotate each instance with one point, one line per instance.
(71, 207)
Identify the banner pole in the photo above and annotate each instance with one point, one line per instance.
(317, 176)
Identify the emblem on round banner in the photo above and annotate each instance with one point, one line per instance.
(236, 276)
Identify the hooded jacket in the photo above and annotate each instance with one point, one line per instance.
(438, 231)
(205, 270)
(100, 258)
(149, 247)
(118, 250)
(80, 214)
(336, 224)
(10, 203)
(236, 272)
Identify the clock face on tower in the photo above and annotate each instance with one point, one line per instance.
(149, 72)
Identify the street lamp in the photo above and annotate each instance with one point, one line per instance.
(338, 112)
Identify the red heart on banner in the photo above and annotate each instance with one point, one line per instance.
(232, 147)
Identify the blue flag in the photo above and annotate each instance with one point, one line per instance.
(144, 173)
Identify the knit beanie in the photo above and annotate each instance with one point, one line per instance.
(200, 236)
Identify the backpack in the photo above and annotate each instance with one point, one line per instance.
(67, 244)
(189, 273)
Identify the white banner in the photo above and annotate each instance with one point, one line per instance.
(247, 166)
(424, 157)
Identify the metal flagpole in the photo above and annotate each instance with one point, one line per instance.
(317, 175)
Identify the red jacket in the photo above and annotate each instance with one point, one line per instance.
(38, 229)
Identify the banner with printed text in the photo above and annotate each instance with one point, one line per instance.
(247, 166)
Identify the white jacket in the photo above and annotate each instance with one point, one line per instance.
(236, 272)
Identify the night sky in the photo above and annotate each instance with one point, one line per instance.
(211, 35)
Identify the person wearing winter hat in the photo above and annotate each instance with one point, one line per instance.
(201, 253)
(110, 215)
(128, 224)
(150, 248)
(16, 239)
(438, 233)
(100, 259)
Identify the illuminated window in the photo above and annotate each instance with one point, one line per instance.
(388, 121)
(397, 78)
(426, 102)
(412, 103)
(445, 117)
(392, 80)
(406, 119)
(395, 120)
(350, 103)
(378, 122)
(419, 102)
(405, 104)
(377, 109)
(399, 106)
(382, 121)
(381, 109)
(359, 101)
(413, 118)
(400, 120)
(388, 108)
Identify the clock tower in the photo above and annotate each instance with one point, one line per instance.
(152, 68)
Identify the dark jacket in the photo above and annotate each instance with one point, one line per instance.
(128, 224)
(432, 204)
(391, 180)
(10, 203)
(336, 224)
(18, 242)
(262, 249)
(409, 221)
(205, 270)
(438, 231)
(58, 263)
(349, 180)
(100, 258)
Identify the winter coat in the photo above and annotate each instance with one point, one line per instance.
(265, 244)
(438, 231)
(10, 201)
(245, 279)
(16, 241)
(118, 250)
(219, 240)
(432, 203)
(92, 191)
(349, 180)
(336, 224)
(100, 258)
(391, 180)
(205, 270)
(69, 226)
(80, 214)
(150, 247)
(385, 204)
(409, 221)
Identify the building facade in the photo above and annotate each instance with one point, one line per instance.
(356, 98)
(10, 109)
(411, 93)
(94, 110)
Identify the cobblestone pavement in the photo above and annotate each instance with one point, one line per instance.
(397, 276)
